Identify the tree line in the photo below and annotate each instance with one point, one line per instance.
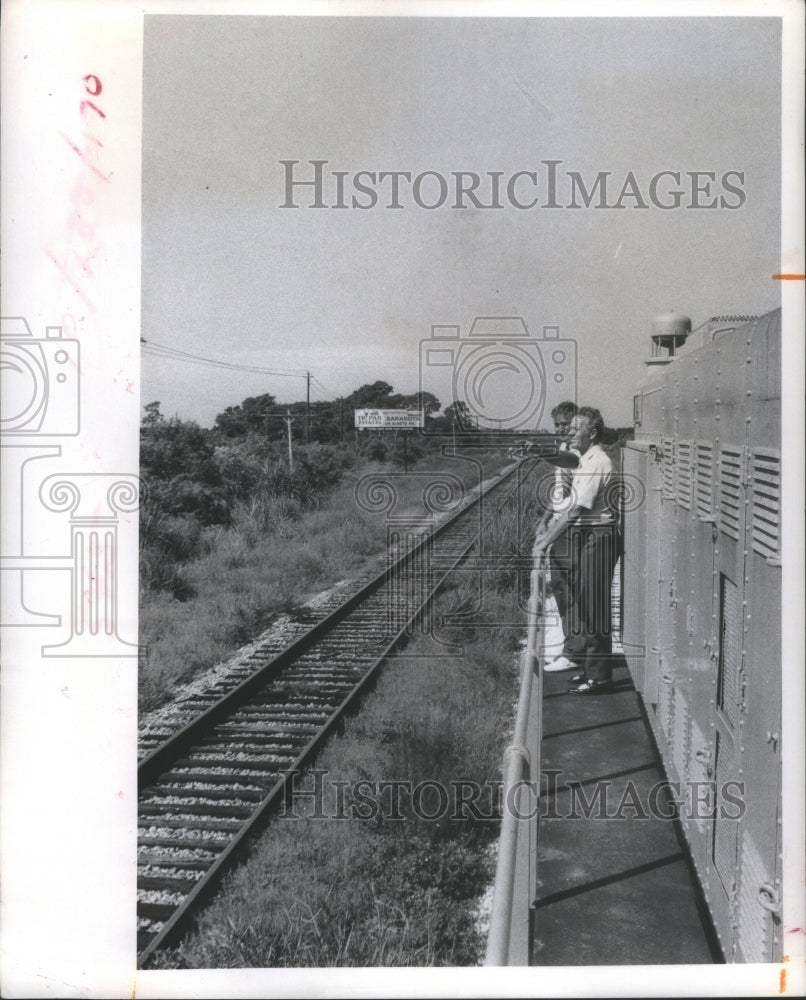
(198, 480)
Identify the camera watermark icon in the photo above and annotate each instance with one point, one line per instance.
(40, 381)
(40, 401)
(499, 376)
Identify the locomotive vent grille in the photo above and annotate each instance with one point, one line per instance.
(667, 488)
(705, 479)
(754, 920)
(730, 486)
(766, 528)
(684, 474)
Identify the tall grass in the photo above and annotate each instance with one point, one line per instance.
(395, 888)
(275, 555)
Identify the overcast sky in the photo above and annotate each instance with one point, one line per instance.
(349, 294)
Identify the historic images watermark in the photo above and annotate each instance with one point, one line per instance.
(548, 184)
(322, 797)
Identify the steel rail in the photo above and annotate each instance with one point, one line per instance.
(159, 760)
(521, 763)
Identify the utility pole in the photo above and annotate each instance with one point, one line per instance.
(288, 420)
(341, 417)
(308, 407)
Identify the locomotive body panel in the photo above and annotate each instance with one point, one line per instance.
(702, 613)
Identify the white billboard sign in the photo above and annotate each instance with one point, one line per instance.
(388, 419)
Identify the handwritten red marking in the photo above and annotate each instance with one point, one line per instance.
(73, 259)
(71, 281)
(789, 277)
(97, 86)
(80, 153)
(90, 104)
(121, 376)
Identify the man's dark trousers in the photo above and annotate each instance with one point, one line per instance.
(560, 564)
(592, 552)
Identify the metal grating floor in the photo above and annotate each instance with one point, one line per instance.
(614, 886)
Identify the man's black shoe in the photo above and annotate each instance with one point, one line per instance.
(591, 687)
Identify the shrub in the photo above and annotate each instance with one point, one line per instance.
(173, 540)
(376, 450)
(409, 453)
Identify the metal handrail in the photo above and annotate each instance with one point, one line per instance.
(521, 762)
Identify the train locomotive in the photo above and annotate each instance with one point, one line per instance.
(701, 605)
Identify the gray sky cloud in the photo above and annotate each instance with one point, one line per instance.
(348, 293)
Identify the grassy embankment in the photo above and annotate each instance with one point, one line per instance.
(268, 562)
(393, 888)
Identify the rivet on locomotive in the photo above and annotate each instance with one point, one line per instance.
(702, 605)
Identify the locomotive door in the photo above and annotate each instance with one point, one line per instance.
(704, 650)
(665, 597)
(731, 632)
(654, 537)
(638, 565)
(759, 899)
(759, 896)
(726, 764)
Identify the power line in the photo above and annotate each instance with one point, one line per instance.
(334, 403)
(161, 350)
(324, 388)
(230, 366)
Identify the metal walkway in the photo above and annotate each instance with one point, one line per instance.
(613, 883)
(603, 877)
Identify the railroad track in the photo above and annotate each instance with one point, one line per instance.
(217, 780)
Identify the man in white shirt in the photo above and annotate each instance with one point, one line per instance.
(589, 531)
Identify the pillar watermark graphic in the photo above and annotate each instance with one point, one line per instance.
(94, 503)
(41, 393)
